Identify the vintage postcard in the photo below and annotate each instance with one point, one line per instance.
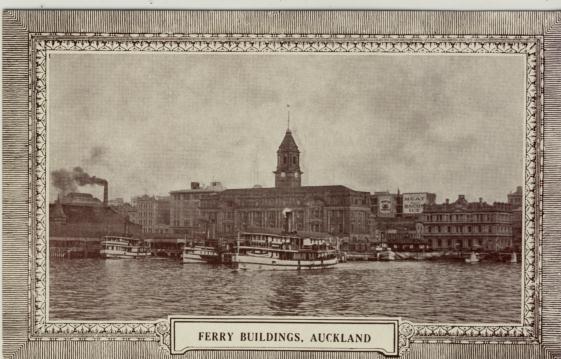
(303, 184)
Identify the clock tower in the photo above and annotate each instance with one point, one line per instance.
(288, 174)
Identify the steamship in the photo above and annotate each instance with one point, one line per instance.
(266, 251)
(123, 247)
(286, 251)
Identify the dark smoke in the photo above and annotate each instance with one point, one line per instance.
(63, 180)
(97, 155)
(68, 181)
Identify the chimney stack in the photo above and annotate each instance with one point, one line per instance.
(105, 193)
(102, 182)
(287, 213)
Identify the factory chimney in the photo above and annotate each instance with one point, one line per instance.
(103, 182)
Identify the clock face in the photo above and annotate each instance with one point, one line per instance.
(283, 174)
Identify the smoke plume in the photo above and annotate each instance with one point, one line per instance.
(68, 181)
(97, 156)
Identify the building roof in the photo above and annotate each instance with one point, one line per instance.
(208, 189)
(79, 213)
(288, 143)
(302, 189)
(80, 221)
(461, 205)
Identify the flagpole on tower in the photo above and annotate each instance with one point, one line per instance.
(288, 118)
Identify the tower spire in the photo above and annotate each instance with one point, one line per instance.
(288, 117)
(288, 173)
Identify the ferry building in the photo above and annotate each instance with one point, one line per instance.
(335, 210)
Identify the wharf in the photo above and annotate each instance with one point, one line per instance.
(432, 255)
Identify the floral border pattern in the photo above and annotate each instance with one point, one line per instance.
(41, 44)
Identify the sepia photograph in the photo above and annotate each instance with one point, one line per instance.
(286, 184)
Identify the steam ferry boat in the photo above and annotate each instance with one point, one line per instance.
(264, 251)
(123, 247)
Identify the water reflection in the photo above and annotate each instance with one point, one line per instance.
(287, 294)
(94, 289)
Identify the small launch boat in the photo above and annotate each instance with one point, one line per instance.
(513, 258)
(473, 258)
(199, 254)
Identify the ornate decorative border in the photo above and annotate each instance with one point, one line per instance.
(41, 44)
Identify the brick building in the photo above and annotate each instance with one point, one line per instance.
(464, 225)
(335, 210)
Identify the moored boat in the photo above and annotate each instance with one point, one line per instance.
(123, 247)
(199, 254)
(386, 255)
(265, 251)
(473, 258)
(513, 258)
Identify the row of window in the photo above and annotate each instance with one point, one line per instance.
(472, 243)
(476, 217)
(468, 229)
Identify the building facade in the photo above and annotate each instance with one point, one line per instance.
(468, 226)
(185, 213)
(335, 210)
(329, 210)
(515, 199)
(76, 229)
(153, 213)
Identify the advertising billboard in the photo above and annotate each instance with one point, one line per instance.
(386, 206)
(413, 202)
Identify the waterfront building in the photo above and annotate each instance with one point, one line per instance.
(84, 199)
(330, 210)
(467, 226)
(126, 209)
(153, 213)
(76, 229)
(185, 214)
(515, 199)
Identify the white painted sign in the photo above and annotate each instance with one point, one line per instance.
(413, 202)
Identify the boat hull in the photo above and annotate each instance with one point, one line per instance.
(200, 255)
(111, 254)
(386, 256)
(192, 258)
(243, 262)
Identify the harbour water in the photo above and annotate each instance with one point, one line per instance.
(420, 291)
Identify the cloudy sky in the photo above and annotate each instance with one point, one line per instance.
(152, 123)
